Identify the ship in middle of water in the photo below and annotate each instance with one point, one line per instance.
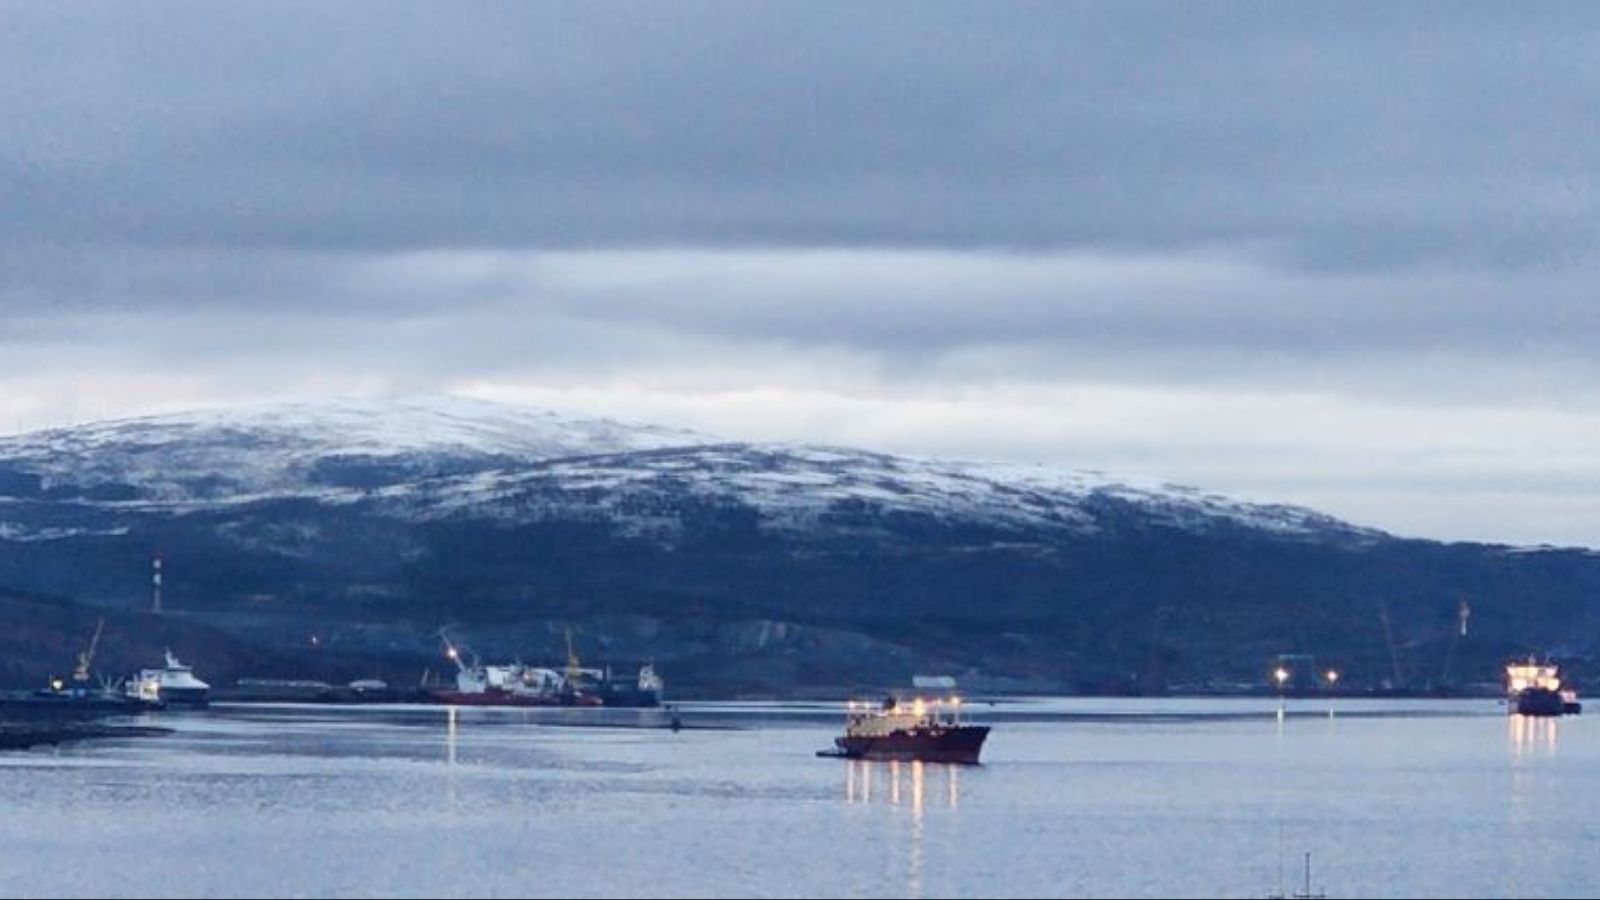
(1536, 689)
(519, 685)
(918, 730)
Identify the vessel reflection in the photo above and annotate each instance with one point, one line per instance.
(901, 784)
(905, 785)
(1533, 735)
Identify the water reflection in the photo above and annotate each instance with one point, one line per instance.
(1533, 735)
(908, 788)
(907, 783)
(914, 868)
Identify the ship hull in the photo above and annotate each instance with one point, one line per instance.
(189, 698)
(55, 707)
(1537, 702)
(961, 745)
(506, 699)
(629, 697)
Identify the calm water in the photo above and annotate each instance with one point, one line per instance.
(1077, 798)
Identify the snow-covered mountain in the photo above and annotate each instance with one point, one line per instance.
(436, 457)
(802, 489)
(288, 449)
(767, 565)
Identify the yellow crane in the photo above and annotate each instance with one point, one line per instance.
(574, 668)
(80, 675)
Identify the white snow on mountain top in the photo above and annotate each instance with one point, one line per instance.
(273, 447)
(438, 457)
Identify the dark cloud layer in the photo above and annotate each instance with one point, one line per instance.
(1337, 135)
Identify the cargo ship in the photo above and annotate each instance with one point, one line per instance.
(1536, 689)
(908, 731)
(519, 685)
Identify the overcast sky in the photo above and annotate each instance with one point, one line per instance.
(1339, 254)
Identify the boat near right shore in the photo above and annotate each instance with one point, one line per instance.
(1537, 689)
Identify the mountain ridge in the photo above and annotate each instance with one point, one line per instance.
(744, 566)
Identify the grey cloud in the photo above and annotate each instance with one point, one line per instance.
(942, 318)
(1363, 135)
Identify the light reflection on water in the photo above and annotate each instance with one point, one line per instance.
(1533, 735)
(859, 775)
(1076, 798)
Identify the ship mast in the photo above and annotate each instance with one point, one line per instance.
(155, 585)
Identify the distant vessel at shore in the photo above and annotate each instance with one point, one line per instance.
(1536, 689)
(519, 685)
(174, 685)
(912, 731)
(59, 700)
(74, 698)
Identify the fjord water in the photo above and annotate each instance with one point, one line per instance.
(1076, 798)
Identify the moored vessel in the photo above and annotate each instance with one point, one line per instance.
(518, 685)
(512, 685)
(917, 730)
(643, 691)
(75, 698)
(174, 685)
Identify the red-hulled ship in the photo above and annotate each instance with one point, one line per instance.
(513, 685)
(917, 730)
(520, 685)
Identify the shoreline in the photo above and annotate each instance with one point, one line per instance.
(26, 735)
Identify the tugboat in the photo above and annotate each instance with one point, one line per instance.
(174, 685)
(643, 692)
(915, 731)
(1535, 689)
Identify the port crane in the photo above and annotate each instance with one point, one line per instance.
(576, 674)
(1388, 637)
(80, 675)
(574, 668)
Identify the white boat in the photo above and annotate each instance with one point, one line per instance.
(174, 685)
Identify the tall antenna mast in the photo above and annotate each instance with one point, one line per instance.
(155, 585)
